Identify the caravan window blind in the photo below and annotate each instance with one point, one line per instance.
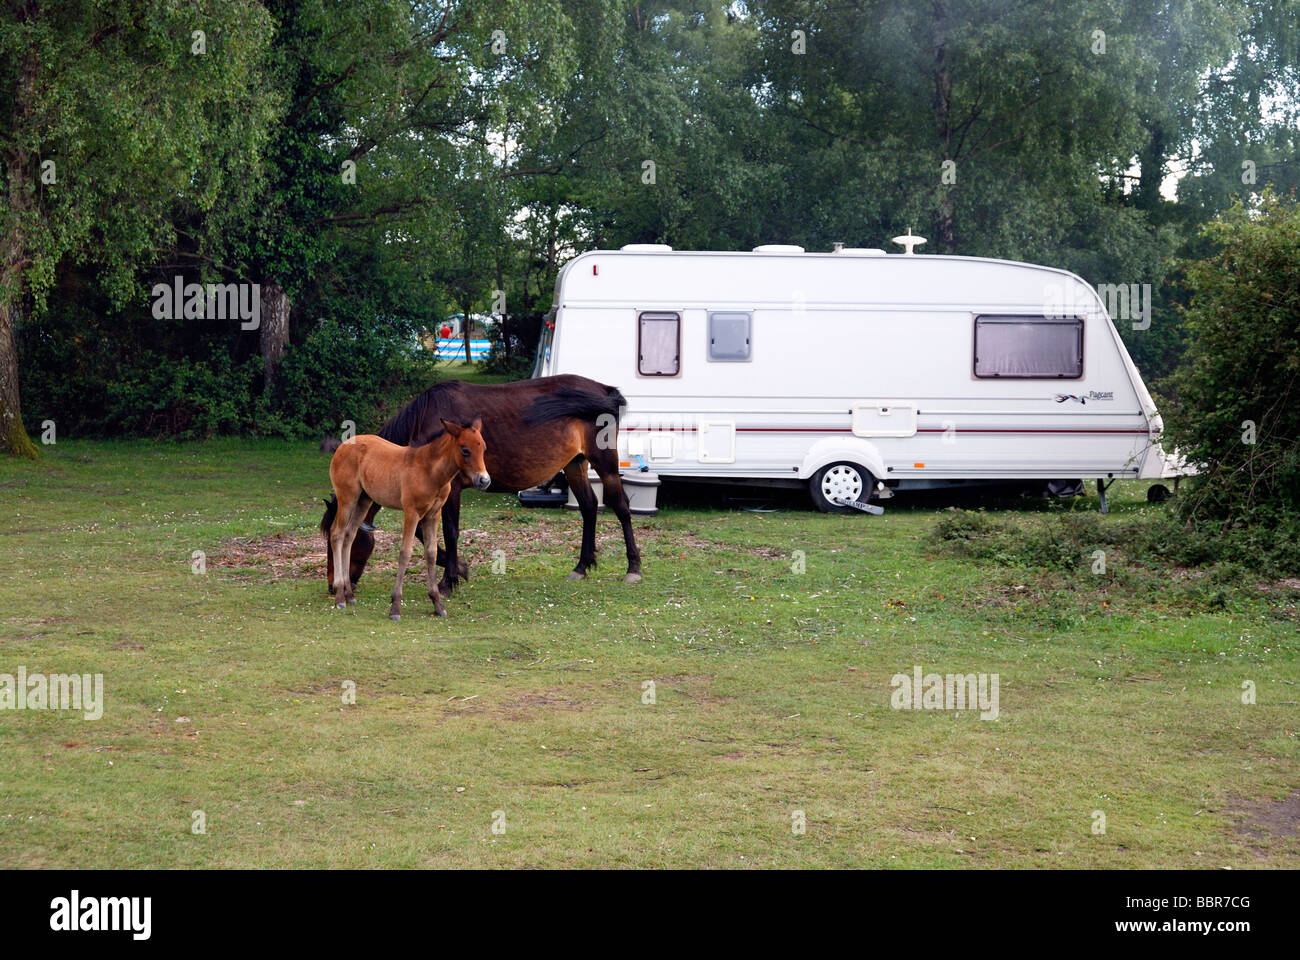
(1039, 348)
(659, 340)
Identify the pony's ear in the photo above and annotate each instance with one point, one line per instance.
(453, 428)
(477, 424)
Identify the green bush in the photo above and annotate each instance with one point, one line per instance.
(182, 398)
(1053, 541)
(1158, 540)
(347, 372)
(188, 385)
(1235, 407)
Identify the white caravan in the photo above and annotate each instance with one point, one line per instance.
(853, 372)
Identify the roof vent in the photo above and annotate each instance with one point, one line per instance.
(859, 252)
(646, 248)
(778, 248)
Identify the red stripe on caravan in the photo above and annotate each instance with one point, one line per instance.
(1135, 432)
(1036, 430)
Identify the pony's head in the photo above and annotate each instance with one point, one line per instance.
(469, 452)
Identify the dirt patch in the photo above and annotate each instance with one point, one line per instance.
(696, 542)
(29, 623)
(696, 688)
(522, 706)
(1267, 818)
(281, 556)
(38, 621)
(1281, 586)
(298, 556)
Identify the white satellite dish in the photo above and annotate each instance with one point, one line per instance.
(908, 241)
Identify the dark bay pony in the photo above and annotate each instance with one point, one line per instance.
(533, 429)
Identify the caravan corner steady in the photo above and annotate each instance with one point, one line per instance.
(854, 373)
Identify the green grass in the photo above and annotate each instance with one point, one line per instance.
(224, 690)
(469, 372)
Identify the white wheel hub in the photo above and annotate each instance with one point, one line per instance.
(842, 484)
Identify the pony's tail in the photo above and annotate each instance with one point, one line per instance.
(579, 404)
(618, 399)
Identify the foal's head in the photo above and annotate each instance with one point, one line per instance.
(469, 452)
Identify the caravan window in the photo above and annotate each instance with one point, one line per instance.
(1029, 347)
(729, 336)
(659, 341)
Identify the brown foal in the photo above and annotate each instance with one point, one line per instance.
(368, 470)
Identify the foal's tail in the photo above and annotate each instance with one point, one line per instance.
(580, 404)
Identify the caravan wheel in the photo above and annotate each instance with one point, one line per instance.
(838, 482)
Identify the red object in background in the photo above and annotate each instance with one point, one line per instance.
(444, 332)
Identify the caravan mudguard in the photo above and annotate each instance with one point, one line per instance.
(849, 449)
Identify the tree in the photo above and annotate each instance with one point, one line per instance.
(107, 114)
(1237, 409)
(387, 131)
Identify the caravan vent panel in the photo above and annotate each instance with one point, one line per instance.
(778, 248)
(729, 337)
(646, 248)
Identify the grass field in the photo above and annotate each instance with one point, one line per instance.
(224, 690)
(469, 372)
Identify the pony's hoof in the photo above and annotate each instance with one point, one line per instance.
(440, 613)
(394, 616)
(340, 606)
(575, 575)
(632, 578)
(352, 601)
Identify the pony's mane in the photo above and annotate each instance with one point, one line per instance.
(407, 426)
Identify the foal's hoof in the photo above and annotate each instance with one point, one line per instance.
(632, 578)
(340, 606)
(352, 601)
(440, 613)
(394, 616)
(576, 576)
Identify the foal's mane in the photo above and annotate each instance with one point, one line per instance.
(408, 425)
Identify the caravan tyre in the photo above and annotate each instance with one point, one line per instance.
(837, 482)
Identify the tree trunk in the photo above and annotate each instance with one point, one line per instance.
(1151, 160)
(13, 435)
(945, 219)
(465, 325)
(505, 329)
(274, 332)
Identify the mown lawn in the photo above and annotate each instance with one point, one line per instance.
(225, 690)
